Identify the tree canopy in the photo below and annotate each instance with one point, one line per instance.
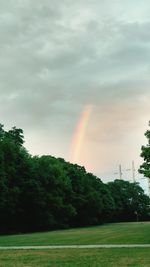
(43, 192)
(145, 154)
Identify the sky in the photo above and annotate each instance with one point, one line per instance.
(75, 76)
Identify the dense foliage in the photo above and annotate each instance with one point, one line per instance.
(43, 193)
(145, 154)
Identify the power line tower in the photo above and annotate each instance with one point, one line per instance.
(119, 172)
(130, 169)
(133, 171)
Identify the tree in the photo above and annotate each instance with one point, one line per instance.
(2, 132)
(16, 135)
(145, 154)
(44, 193)
(130, 200)
(14, 172)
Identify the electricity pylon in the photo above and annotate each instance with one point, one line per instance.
(133, 171)
(119, 172)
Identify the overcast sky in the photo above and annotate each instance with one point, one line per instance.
(58, 57)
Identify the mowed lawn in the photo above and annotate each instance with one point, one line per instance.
(117, 233)
(76, 258)
(120, 233)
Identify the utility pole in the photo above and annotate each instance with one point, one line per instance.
(120, 172)
(133, 172)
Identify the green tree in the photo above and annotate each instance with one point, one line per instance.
(130, 200)
(44, 193)
(13, 170)
(16, 135)
(47, 200)
(145, 154)
(2, 132)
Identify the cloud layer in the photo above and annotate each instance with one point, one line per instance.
(59, 56)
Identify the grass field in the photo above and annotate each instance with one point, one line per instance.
(120, 233)
(76, 258)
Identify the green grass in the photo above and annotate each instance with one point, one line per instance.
(76, 258)
(119, 233)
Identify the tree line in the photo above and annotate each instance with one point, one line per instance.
(39, 193)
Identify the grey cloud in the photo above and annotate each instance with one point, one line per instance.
(58, 56)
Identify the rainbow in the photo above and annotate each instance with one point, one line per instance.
(79, 134)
